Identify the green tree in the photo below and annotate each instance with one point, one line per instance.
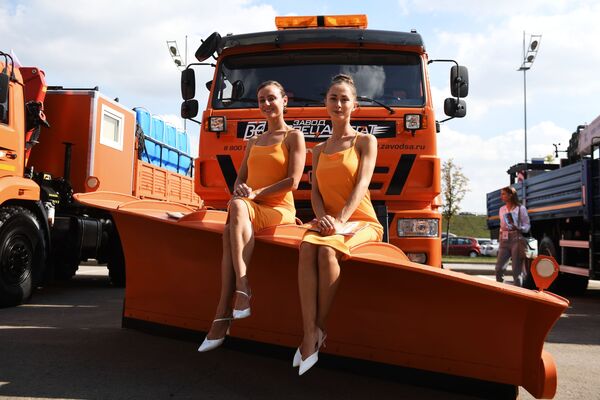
(454, 187)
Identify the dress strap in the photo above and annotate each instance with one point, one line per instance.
(354, 140)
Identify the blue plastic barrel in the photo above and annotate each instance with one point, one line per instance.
(171, 135)
(144, 120)
(185, 165)
(158, 129)
(182, 142)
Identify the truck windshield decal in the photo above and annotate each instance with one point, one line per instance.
(391, 78)
(318, 129)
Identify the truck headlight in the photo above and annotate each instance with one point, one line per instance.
(420, 227)
(217, 124)
(412, 122)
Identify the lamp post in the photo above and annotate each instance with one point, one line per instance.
(181, 64)
(529, 55)
(175, 55)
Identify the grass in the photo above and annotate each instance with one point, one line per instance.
(469, 260)
(468, 225)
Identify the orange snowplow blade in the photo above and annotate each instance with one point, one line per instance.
(387, 309)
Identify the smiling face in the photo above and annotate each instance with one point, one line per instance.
(340, 101)
(271, 101)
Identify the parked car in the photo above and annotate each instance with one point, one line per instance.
(462, 246)
(490, 248)
(531, 250)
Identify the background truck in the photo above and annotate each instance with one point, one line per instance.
(563, 202)
(390, 70)
(91, 145)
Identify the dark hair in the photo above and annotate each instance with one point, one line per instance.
(269, 83)
(512, 193)
(343, 78)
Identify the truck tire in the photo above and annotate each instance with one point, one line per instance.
(565, 284)
(22, 254)
(116, 260)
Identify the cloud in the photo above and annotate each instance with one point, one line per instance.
(563, 76)
(120, 46)
(485, 160)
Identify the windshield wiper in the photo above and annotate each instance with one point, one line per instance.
(230, 100)
(363, 98)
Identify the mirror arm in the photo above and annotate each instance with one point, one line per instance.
(211, 64)
(458, 80)
(196, 121)
(447, 119)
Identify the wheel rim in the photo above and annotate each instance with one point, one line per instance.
(17, 259)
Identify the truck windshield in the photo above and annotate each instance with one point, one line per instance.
(391, 78)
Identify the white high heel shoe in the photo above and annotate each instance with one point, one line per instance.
(311, 360)
(245, 313)
(209, 344)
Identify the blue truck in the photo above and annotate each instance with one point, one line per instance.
(563, 201)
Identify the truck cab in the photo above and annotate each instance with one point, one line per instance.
(390, 70)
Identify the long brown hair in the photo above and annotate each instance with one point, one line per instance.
(512, 193)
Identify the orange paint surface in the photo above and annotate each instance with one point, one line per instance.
(387, 308)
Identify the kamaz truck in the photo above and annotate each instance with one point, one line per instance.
(390, 70)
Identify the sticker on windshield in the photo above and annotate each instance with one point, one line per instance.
(318, 129)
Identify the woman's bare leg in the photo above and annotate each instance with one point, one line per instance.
(218, 329)
(242, 244)
(329, 279)
(308, 280)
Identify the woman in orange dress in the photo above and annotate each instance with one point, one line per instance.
(343, 168)
(271, 169)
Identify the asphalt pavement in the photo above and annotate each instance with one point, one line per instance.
(67, 343)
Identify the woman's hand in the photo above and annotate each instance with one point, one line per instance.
(243, 190)
(329, 226)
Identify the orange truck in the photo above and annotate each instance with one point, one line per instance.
(91, 145)
(388, 308)
(391, 76)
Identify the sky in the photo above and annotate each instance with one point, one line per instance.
(120, 46)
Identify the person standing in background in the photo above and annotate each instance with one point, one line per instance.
(514, 222)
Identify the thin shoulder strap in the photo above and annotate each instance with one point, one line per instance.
(354, 140)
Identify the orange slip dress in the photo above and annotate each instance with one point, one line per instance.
(268, 165)
(337, 174)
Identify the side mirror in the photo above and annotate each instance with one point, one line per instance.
(188, 84)
(209, 46)
(455, 108)
(237, 90)
(208, 85)
(189, 109)
(459, 81)
(4, 83)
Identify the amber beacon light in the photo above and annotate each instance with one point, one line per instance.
(322, 21)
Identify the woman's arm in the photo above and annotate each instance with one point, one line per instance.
(297, 157)
(315, 196)
(367, 149)
(239, 187)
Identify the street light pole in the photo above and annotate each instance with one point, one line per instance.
(525, 103)
(529, 54)
(181, 64)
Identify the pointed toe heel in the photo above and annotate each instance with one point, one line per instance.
(210, 344)
(245, 313)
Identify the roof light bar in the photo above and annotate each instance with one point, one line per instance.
(322, 21)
